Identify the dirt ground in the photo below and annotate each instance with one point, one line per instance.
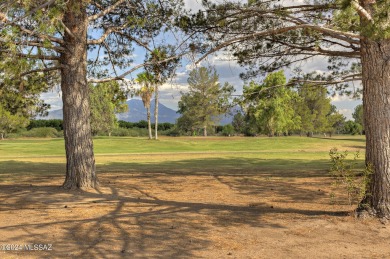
(171, 215)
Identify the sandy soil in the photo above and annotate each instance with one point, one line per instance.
(174, 215)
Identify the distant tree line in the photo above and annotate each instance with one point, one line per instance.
(52, 123)
(58, 124)
(271, 108)
(274, 107)
(144, 124)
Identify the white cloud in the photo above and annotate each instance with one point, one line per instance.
(340, 98)
(347, 113)
(345, 104)
(193, 5)
(54, 98)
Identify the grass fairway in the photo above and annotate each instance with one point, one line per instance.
(185, 198)
(47, 156)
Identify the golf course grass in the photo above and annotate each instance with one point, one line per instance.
(289, 154)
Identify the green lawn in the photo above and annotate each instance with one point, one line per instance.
(286, 155)
(124, 145)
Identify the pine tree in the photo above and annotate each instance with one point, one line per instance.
(205, 100)
(354, 34)
(66, 40)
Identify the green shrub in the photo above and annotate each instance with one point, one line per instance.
(44, 132)
(355, 183)
(173, 132)
(353, 128)
(125, 124)
(132, 132)
(52, 123)
(228, 130)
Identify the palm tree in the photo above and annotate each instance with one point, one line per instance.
(163, 64)
(156, 56)
(146, 80)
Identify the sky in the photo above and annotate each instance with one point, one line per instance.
(227, 69)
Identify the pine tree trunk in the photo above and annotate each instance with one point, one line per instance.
(156, 113)
(80, 161)
(149, 124)
(376, 100)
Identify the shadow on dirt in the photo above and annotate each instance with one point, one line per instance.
(128, 219)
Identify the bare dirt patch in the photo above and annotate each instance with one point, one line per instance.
(176, 215)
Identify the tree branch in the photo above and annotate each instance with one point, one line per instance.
(336, 34)
(41, 70)
(361, 11)
(326, 52)
(4, 19)
(123, 75)
(102, 38)
(106, 11)
(38, 44)
(34, 10)
(344, 79)
(42, 57)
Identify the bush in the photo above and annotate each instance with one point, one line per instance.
(219, 129)
(133, 132)
(354, 183)
(228, 130)
(125, 124)
(45, 132)
(353, 128)
(141, 124)
(164, 126)
(53, 123)
(250, 131)
(173, 132)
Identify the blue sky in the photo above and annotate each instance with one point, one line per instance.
(227, 69)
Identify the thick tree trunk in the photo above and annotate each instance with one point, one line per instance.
(376, 100)
(80, 161)
(205, 131)
(156, 113)
(149, 124)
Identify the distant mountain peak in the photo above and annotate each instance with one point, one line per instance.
(137, 112)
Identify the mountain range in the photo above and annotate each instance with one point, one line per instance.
(137, 112)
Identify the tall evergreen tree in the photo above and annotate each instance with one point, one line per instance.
(67, 38)
(313, 108)
(355, 34)
(206, 99)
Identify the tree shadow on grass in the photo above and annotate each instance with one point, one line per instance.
(129, 220)
(360, 139)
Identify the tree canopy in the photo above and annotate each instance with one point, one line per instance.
(205, 100)
(271, 105)
(147, 82)
(80, 42)
(107, 99)
(355, 36)
(358, 116)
